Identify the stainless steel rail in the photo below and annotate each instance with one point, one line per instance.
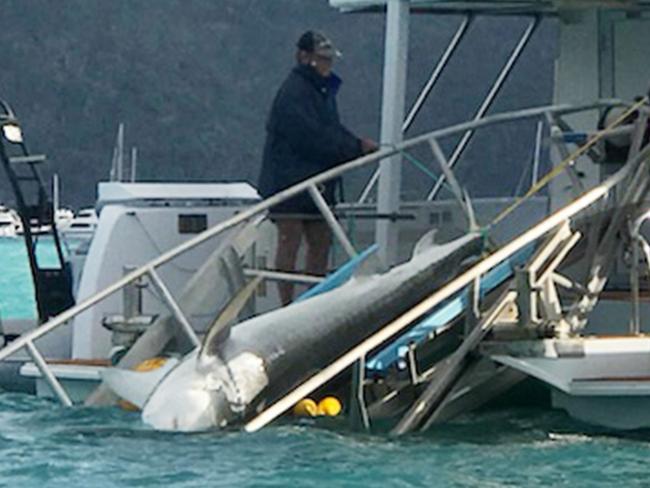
(489, 99)
(391, 329)
(309, 185)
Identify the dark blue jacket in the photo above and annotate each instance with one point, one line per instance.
(304, 137)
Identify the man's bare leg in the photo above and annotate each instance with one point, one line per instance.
(289, 237)
(319, 239)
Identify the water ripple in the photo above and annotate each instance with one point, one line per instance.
(44, 444)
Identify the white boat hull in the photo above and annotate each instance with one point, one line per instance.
(602, 381)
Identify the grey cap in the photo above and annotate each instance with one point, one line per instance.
(317, 43)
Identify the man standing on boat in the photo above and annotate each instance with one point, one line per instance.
(305, 137)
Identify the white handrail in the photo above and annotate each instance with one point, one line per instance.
(290, 192)
(449, 289)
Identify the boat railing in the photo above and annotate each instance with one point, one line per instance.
(538, 274)
(150, 269)
(485, 105)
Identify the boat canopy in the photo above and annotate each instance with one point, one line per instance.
(512, 7)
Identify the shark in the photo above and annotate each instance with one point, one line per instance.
(240, 370)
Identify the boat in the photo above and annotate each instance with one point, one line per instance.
(63, 218)
(80, 226)
(543, 300)
(9, 222)
(580, 334)
(131, 223)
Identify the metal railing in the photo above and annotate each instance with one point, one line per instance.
(310, 185)
(465, 279)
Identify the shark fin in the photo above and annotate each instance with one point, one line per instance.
(425, 242)
(136, 386)
(471, 216)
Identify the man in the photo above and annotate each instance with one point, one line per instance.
(304, 138)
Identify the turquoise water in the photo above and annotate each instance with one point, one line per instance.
(43, 444)
(16, 288)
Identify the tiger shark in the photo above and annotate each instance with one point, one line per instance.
(239, 371)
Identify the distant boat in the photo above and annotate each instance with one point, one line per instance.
(82, 226)
(9, 222)
(63, 218)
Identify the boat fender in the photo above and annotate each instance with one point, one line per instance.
(329, 406)
(305, 408)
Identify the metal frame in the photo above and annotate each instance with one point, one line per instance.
(392, 115)
(489, 99)
(309, 185)
(487, 7)
(400, 323)
(14, 154)
(425, 92)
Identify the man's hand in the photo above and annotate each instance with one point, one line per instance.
(368, 145)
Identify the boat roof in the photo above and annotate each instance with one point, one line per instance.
(505, 7)
(129, 192)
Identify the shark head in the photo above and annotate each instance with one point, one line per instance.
(190, 398)
(202, 392)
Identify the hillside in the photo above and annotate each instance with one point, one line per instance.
(193, 80)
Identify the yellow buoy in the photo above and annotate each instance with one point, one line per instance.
(329, 406)
(305, 408)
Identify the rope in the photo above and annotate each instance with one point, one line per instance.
(417, 163)
(541, 183)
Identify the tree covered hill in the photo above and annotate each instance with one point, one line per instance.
(192, 80)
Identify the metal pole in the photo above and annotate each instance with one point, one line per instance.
(494, 91)
(47, 374)
(426, 90)
(538, 153)
(260, 208)
(176, 310)
(635, 323)
(279, 276)
(134, 163)
(120, 152)
(393, 101)
(359, 417)
(453, 44)
(332, 222)
(448, 173)
(392, 328)
(55, 194)
(369, 187)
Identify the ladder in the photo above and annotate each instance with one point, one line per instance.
(52, 285)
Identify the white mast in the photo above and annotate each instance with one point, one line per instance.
(392, 118)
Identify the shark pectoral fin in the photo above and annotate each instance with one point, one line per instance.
(136, 386)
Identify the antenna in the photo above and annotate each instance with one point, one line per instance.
(134, 162)
(118, 155)
(55, 193)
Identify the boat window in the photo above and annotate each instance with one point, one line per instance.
(192, 223)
